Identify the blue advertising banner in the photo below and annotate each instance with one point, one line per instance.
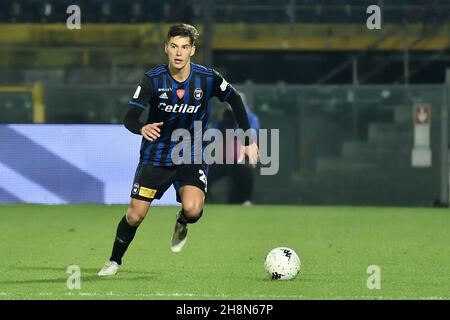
(60, 164)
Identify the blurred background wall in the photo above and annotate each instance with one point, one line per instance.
(343, 96)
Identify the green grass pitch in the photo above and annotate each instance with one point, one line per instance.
(223, 258)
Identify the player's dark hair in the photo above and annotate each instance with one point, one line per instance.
(183, 30)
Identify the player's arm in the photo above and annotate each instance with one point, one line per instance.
(225, 92)
(250, 148)
(137, 105)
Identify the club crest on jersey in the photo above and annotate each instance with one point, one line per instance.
(198, 93)
(180, 93)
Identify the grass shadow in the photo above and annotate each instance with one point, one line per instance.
(88, 278)
(83, 270)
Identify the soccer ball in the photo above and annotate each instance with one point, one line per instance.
(282, 263)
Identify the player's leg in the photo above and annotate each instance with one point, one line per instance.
(126, 230)
(149, 183)
(191, 188)
(192, 201)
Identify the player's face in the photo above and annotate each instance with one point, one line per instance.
(179, 50)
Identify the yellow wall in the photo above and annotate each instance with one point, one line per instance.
(227, 36)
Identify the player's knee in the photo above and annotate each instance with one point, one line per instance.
(135, 217)
(194, 218)
(192, 211)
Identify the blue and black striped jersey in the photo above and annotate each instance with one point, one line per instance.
(177, 105)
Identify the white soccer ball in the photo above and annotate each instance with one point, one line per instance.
(282, 263)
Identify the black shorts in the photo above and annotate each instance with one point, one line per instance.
(150, 182)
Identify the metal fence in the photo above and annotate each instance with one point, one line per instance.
(354, 144)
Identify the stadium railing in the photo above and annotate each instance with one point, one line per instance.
(22, 103)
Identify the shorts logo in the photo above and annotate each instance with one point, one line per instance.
(135, 188)
(180, 93)
(147, 192)
(203, 178)
(198, 93)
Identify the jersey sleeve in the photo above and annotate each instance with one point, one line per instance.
(221, 88)
(143, 93)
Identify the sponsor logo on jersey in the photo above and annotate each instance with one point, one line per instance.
(198, 93)
(147, 192)
(164, 89)
(180, 93)
(178, 108)
(163, 96)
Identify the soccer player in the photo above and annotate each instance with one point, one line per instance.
(177, 94)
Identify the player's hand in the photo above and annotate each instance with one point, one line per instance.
(151, 131)
(252, 152)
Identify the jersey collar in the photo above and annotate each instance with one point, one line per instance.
(176, 81)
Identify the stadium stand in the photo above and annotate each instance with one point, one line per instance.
(248, 11)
